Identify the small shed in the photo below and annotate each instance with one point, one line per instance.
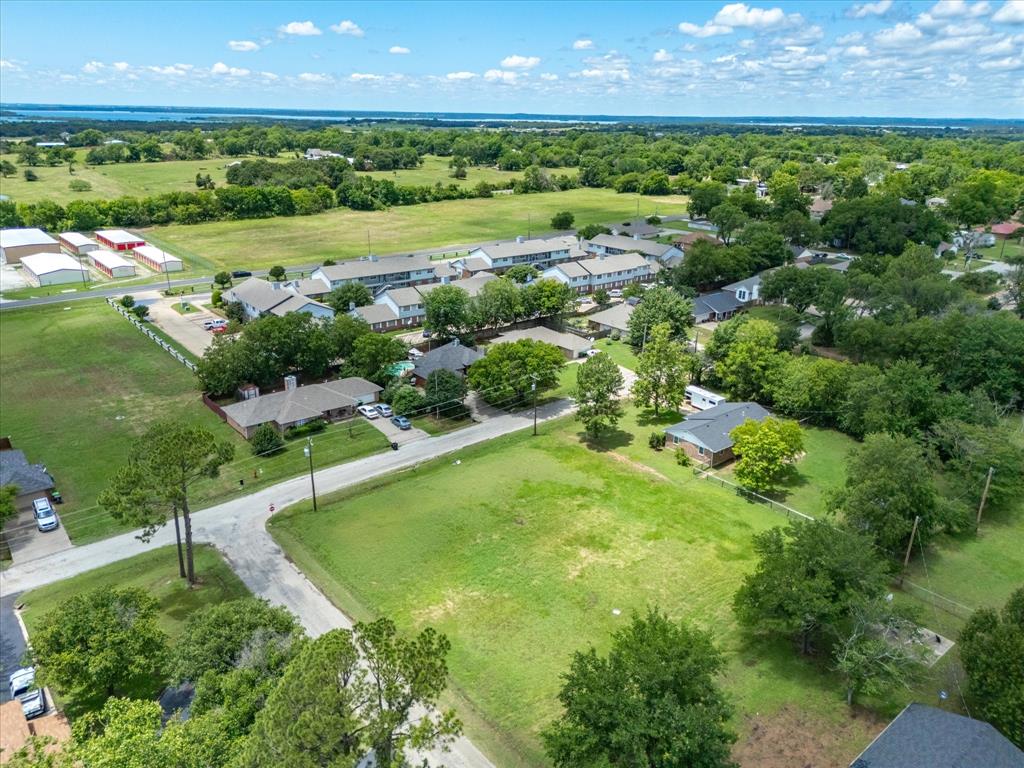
(111, 264)
(157, 260)
(77, 244)
(25, 241)
(53, 269)
(119, 239)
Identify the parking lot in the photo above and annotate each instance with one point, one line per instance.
(186, 329)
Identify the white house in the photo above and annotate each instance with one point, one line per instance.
(258, 298)
(53, 269)
(607, 272)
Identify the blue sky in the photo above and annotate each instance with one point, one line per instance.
(883, 57)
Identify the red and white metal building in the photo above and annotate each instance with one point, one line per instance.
(76, 243)
(157, 260)
(111, 264)
(119, 239)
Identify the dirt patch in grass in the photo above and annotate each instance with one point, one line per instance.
(637, 465)
(790, 738)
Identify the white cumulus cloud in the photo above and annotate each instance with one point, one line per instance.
(220, 68)
(120, 66)
(500, 76)
(583, 45)
(516, 61)
(708, 30)
(243, 46)
(548, 76)
(742, 15)
(8, 64)
(269, 76)
(461, 75)
(1011, 12)
(1004, 65)
(399, 50)
(348, 27)
(952, 9)
(865, 10)
(299, 28)
(92, 67)
(857, 52)
(314, 77)
(900, 35)
(364, 77)
(661, 55)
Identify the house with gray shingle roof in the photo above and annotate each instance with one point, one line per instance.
(453, 356)
(704, 436)
(259, 298)
(295, 406)
(928, 737)
(613, 244)
(31, 480)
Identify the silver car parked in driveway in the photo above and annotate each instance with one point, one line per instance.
(46, 518)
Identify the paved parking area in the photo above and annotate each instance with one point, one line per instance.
(187, 330)
(27, 542)
(396, 435)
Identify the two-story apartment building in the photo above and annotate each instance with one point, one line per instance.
(384, 272)
(540, 253)
(607, 272)
(402, 307)
(612, 245)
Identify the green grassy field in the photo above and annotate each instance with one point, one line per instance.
(342, 233)
(157, 573)
(520, 553)
(435, 169)
(110, 181)
(80, 382)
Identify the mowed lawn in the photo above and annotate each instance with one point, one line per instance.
(156, 572)
(112, 180)
(342, 233)
(531, 548)
(80, 383)
(435, 169)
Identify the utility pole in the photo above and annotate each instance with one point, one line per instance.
(533, 388)
(984, 498)
(308, 450)
(906, 558)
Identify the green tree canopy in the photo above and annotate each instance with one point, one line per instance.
(653, 701)
(344, 297)
(661, 372)
(503, 376)
(766, 451)
(659, 305)
(448, 311)
(598, 382)
(99, 643)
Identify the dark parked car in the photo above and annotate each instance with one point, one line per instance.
(401, 422)
(241, 273)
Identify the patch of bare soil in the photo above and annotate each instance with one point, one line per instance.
(790, 738)
(637, 465)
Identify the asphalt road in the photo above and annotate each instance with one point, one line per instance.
(238, 529)
(12, 643)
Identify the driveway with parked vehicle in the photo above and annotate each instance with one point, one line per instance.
(194, 331)
(36, 532)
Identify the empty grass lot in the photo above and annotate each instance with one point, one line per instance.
(113, 180)
(341, 233)
(157, 573)
(80, 383)
(521, 552)
(435, 169)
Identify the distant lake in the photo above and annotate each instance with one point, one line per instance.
(51, 112)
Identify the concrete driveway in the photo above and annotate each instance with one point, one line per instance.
(29, 543)
(396, 435)
(187, 330)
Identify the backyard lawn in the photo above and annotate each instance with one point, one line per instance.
(530, 548)
(157, 573)
(80, 382)
(342, 233)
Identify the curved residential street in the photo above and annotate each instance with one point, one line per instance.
(238, 529)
